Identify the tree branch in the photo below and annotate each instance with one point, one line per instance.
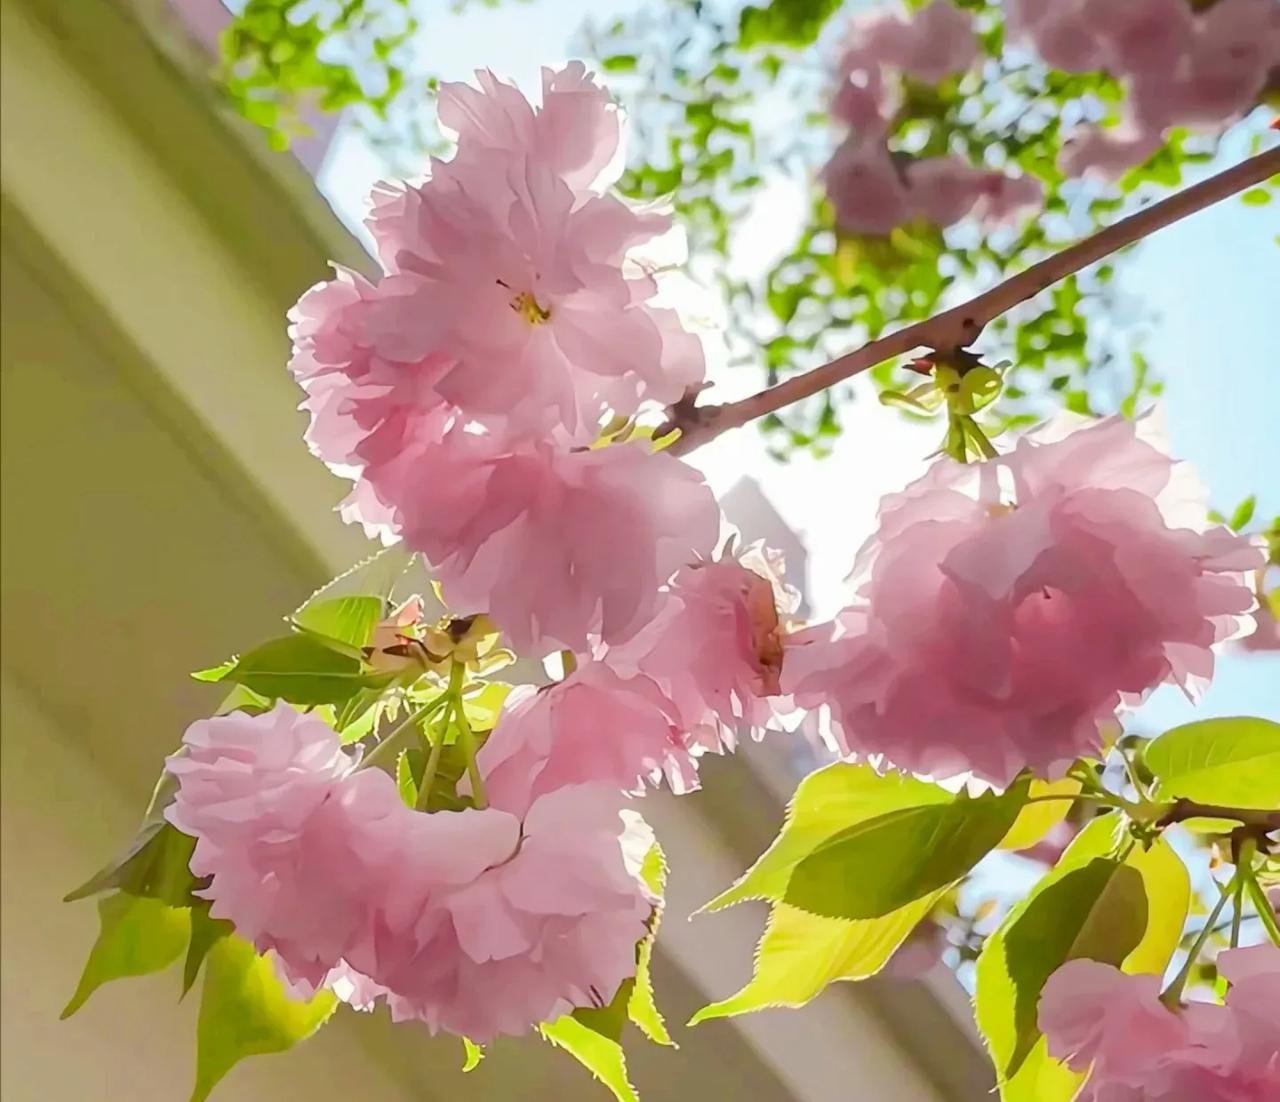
(960, 326)
(1181, 810)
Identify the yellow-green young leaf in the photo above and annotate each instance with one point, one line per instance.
(641, 1007)
(600, 1055)
(1234, 760)
(348, 620)
(1041, 1079)
(801, 953)
(472, 1054)
(137, 936)
(1107, 899)
(877, 865)
(244, 1011)
(1035, 820)
(205, 933)
(302, 669)
(826, 803)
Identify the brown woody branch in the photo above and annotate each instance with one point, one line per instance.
(959, 327)
(1182, 809)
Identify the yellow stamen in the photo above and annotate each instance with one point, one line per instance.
(524, 303)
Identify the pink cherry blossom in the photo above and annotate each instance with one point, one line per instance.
(551, 928)
(1062, 35)
(1140, 35)
(1108, 154)
(575, 132)
(557, 546)
(1136, 1049)
(866, 189)
(1007, 609)
(715, 647)
(594, 726)
(930, 44)
(258, 793)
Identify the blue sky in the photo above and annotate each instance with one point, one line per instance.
(1210, 281)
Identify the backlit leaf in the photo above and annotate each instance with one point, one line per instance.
(801, 953)
(302, 670)
(827, 802)
(137, 936)
(1233, 760)
(244, 1011)
(599, 1054)
(1036, 819)
(348, 620)
(880, 864)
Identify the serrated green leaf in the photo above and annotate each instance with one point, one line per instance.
(302, 670)
(407, 777)
(880, 864)
(642, 1009)
(156, 863)
(244, 1011)
(599, 1054)
(826, 802)
(1035, 820)
(205, 933)
(801, 953)
(348, 620)
(1232, 760)
(1041, 1079)
(136, 937)
(215, 673)
(1087, 906)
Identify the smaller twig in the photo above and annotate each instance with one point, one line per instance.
(1181, 810)
(396, 735)
(1172, 995)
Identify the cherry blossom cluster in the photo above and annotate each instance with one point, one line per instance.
(1202, 69)
(1096, 1017)
(1007, 609)
(872, 189)
(478, 922)
(464, 390)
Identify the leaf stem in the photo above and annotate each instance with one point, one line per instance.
(429, 774)
(465, 737)
(396, 735)
(1265, 914)
(1172, 995)
(960, 326)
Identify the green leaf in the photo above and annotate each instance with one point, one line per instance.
(137, 937)
(156, 863)
(1244, 512)
(878, 865)
(302, 670)
(641, 1007)
(1126, 911)
(1035, 820)
(472, 1054)
(784, 22)
(244, 1011)
(826, 802)
(215, 673)
(205, 933)
(406, 779)
(801, 953)
(599, 1054)
(1097, 911)
(1041, 1079)
(1232, 760)
(1256, 197)
(348, 620)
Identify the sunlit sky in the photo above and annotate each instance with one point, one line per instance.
(1211, 282)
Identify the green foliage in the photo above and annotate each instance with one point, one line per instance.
(801, 953)
(138, 936)
(344, 620)
(206, 932)
(826, 803)
(784, 22)
(1041, 814)
(472, 1054)
(1233, 760)
(725, 111)
(244, 1011)
(1107, 899)
(597, 1052)
(860, 872)
(642, 1010)
(301, 669)
(280, 57)
(156, 863)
